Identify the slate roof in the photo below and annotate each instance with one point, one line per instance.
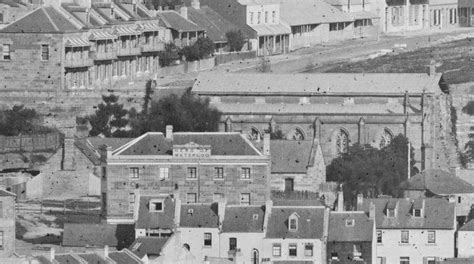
(290, 156)
(148, 246)
(315, 83)
(310, 223)
(221, 144)
(203, 215)
(5, 193)
(306, 12)
(216, 26)
(41, 20)
(66, 259)
(124, 257)
(469, 226)
(93, 258)
(362, 230)
(174, 20)
(243, 219)
(439, 182)
(90, 146)
(79, 235)
(147, 219)
(437, 214)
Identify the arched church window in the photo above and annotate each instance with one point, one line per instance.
(342, 142)
(386, 138)
(296, 134)
(254, 134)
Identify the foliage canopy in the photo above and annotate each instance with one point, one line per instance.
(235, 40)
(18, 120)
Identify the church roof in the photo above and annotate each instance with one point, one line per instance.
(312, 84)
(439, 182)
(41, 20)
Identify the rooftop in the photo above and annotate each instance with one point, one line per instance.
(199, 215)
(305, 12)
(313, 84)
(339, 230)
(99, 235)
(439, 182)
(437, 213)
(310, 222)
(174, 20)
(124, 257)
(155, 219)
(469, 226)
(41, 20)
(240, 219)
(148, 246)
(290, 156)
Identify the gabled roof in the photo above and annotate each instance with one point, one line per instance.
(437, 214)
(306, 12)
(148, 246)
(469, 226)
(310, 222)
(93, 258)
(215, 25)
(147, 219)
(155, 143)
(175, 21)
(79, 235)
(243, 219)
(439, 182)
(199, 215)
(339, 231)
(5, 193)
(124, 257)
(290, 156)
(42, 20)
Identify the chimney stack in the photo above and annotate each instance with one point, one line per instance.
(266, 144)
(183, 11)
(372, 211)
(169, 132)
(106, 251)
(52, 252)
(195, 4)
(340, 200)
(360, 200)
(221, 210)
(432, 68)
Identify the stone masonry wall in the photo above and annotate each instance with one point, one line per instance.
(7, 225)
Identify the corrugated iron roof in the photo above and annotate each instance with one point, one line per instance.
(77, 42)
(101, 35)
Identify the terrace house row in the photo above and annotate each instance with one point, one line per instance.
(69, 45)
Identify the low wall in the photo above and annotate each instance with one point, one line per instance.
(41, 142)
(235, 56)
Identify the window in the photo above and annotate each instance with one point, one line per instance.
(266, 17)
(191, 198)
(459, 199)
(391, 212)
(436, 17)
(273, 16)
(334, 255)
(404, 260)
(1, 239)
(350, 222)
(207, 239)
(245, 173)
(292, 250)
(380, 260)
(332, 26)
(219, 173)
(342, 142)
(453, 16)
(156, 206)
(379, 236)
(308, 249)
(164, 173)
(431, 260)
(134, 172)
(192, 173)
(6, 52)
(44, 52)
(417, 212)
(131, 202)
(258, 18)
(232, 243)
(404, 237)
(293, 224)
(276, 250)
(245, 198)
(431, 237)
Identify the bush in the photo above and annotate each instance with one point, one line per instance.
(201, 49)
(169, 55)
(18, 120)
(235, 40)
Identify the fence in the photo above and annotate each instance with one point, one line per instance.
(30, 143)
(233, 56)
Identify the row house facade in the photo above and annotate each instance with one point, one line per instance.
(466, 13)
(199, 167)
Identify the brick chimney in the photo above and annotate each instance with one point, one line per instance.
(266, 144)
(372, 211)
(196, 4)
(52, 252)
(177, 211)
(169, 132)
(183, 11)
(221, 210)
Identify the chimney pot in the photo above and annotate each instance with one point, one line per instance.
(184, 12)
(169, 132)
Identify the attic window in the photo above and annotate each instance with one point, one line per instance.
(255, 216)
(391, 212)
(350, 222)
(156, 206)
(417, 212)
(293, 222)
(190, 211)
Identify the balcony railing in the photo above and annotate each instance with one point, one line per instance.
(153, 47)
(76, 63)
(109, 55)
(128, 51)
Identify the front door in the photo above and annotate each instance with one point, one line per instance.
(289, 184)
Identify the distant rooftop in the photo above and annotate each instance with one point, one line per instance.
(41, 20)
(439, 182)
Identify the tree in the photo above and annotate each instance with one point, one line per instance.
(235, 40)
(18, 120)
(201, 49)
(110, 119)
(185, 113)
(468, 155)
(170, 54)
(372, 172)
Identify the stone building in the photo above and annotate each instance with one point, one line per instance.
(198, 167)
(7, 223)
(337, 109)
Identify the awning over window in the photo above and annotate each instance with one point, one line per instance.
(150, 26)
(101, 35)
(126, 31)
(271, 30)
(77, 42)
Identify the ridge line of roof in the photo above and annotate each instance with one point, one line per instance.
(50, 19)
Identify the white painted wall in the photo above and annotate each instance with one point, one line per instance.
(246, 242)
(318, 250)
(465, 244)
(194, 237)
(255, 9)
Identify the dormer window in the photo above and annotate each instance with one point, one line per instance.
(417, 208)
(293, 222)
(391, 208)
(350, 222)
(391, 212)
(156, 206)
(417, 212)
(190, 212)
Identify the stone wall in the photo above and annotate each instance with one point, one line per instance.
(7, 225)
(30, 143)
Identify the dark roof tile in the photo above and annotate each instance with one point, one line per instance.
(469, 226)
(310, 223)
(124, 257)
(248, 219)
(148, 219)
(339, 231)
(290, 156)
(199, 215)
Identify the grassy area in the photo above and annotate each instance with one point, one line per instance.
(455, 60)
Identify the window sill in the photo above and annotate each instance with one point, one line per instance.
(191, 179)
(404, 244)
(218, 179)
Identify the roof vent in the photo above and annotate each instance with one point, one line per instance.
(190, 211)
(255, 216)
